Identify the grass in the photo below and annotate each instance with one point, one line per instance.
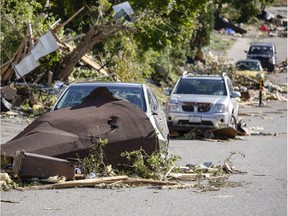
(280, 3)
(220, 43)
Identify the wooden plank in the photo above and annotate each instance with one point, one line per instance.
(25, 47)
(148, 181)
(19, 52)
(88, 60)
(80, 183)
(8, 74)
(13, 59)
(67, 21)
(5, 68)
(30, 36)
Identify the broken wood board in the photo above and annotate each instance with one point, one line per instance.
(80, 183)
(88, 60)
(222, 133)
(147, 181)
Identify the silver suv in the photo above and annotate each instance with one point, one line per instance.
(202, 101)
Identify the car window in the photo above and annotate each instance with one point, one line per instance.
(75, 94)
(245, 65)
(230, 86)
(201, 87)
(153, 102)
(262, 50)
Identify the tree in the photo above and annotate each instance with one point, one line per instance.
(246, 9)
(159, 24)
(205, 25)
(97, 34)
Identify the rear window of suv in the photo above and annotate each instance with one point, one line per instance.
(261, 50)
(201, 87)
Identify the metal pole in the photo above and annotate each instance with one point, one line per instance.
(260, 91)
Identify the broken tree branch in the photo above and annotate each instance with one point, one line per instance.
(67, 21)
(95, 35)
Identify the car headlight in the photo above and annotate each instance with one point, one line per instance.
(173, 106)
(272, 60)
(220, 108)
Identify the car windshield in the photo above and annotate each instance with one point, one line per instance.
(75, 94)
(201, 87)
(246, 65)
(261, 50)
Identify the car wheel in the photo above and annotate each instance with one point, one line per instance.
(233, 122)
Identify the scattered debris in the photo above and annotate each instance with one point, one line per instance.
(26, 58)
(222, 23)
(222, 133)
(28, 165)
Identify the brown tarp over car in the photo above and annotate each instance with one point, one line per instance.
(70, 132)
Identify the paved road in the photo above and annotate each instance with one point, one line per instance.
(263, 191)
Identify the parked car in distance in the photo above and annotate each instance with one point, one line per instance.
(203, 102)
(249, 67)
(265, 52)
(139, 94)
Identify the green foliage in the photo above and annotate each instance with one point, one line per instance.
(122, 55)
(142, 165)
(94, 162)
(191, 135)
(205, 25)
(241, 10)
(14, 17)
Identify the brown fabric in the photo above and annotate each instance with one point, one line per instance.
(69, 132)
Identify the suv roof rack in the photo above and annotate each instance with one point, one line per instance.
(188, 74)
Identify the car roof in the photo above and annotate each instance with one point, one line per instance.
(262, 44)
(106, 83)
(204, 76)
(248, 60)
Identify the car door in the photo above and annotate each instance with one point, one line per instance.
(233, 100)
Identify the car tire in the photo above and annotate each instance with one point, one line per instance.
(233, 122)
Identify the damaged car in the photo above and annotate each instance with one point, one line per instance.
(249, 67)
(127, 115)
(138, 94)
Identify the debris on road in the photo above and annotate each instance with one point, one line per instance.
(28, 165)
(222, 133)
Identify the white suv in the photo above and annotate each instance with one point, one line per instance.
(202, 101)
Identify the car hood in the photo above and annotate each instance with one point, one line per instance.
(182, 98)
(250, 73)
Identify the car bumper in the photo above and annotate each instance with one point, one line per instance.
(185, 122)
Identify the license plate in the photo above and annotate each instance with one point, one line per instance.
(196, 119)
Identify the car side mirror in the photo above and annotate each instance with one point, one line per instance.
(167, 91)
(154, 113)
(245, 51)
(235, 94)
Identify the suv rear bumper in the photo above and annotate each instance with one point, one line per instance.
(180, 121)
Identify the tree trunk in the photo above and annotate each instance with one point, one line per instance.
(95, 35)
